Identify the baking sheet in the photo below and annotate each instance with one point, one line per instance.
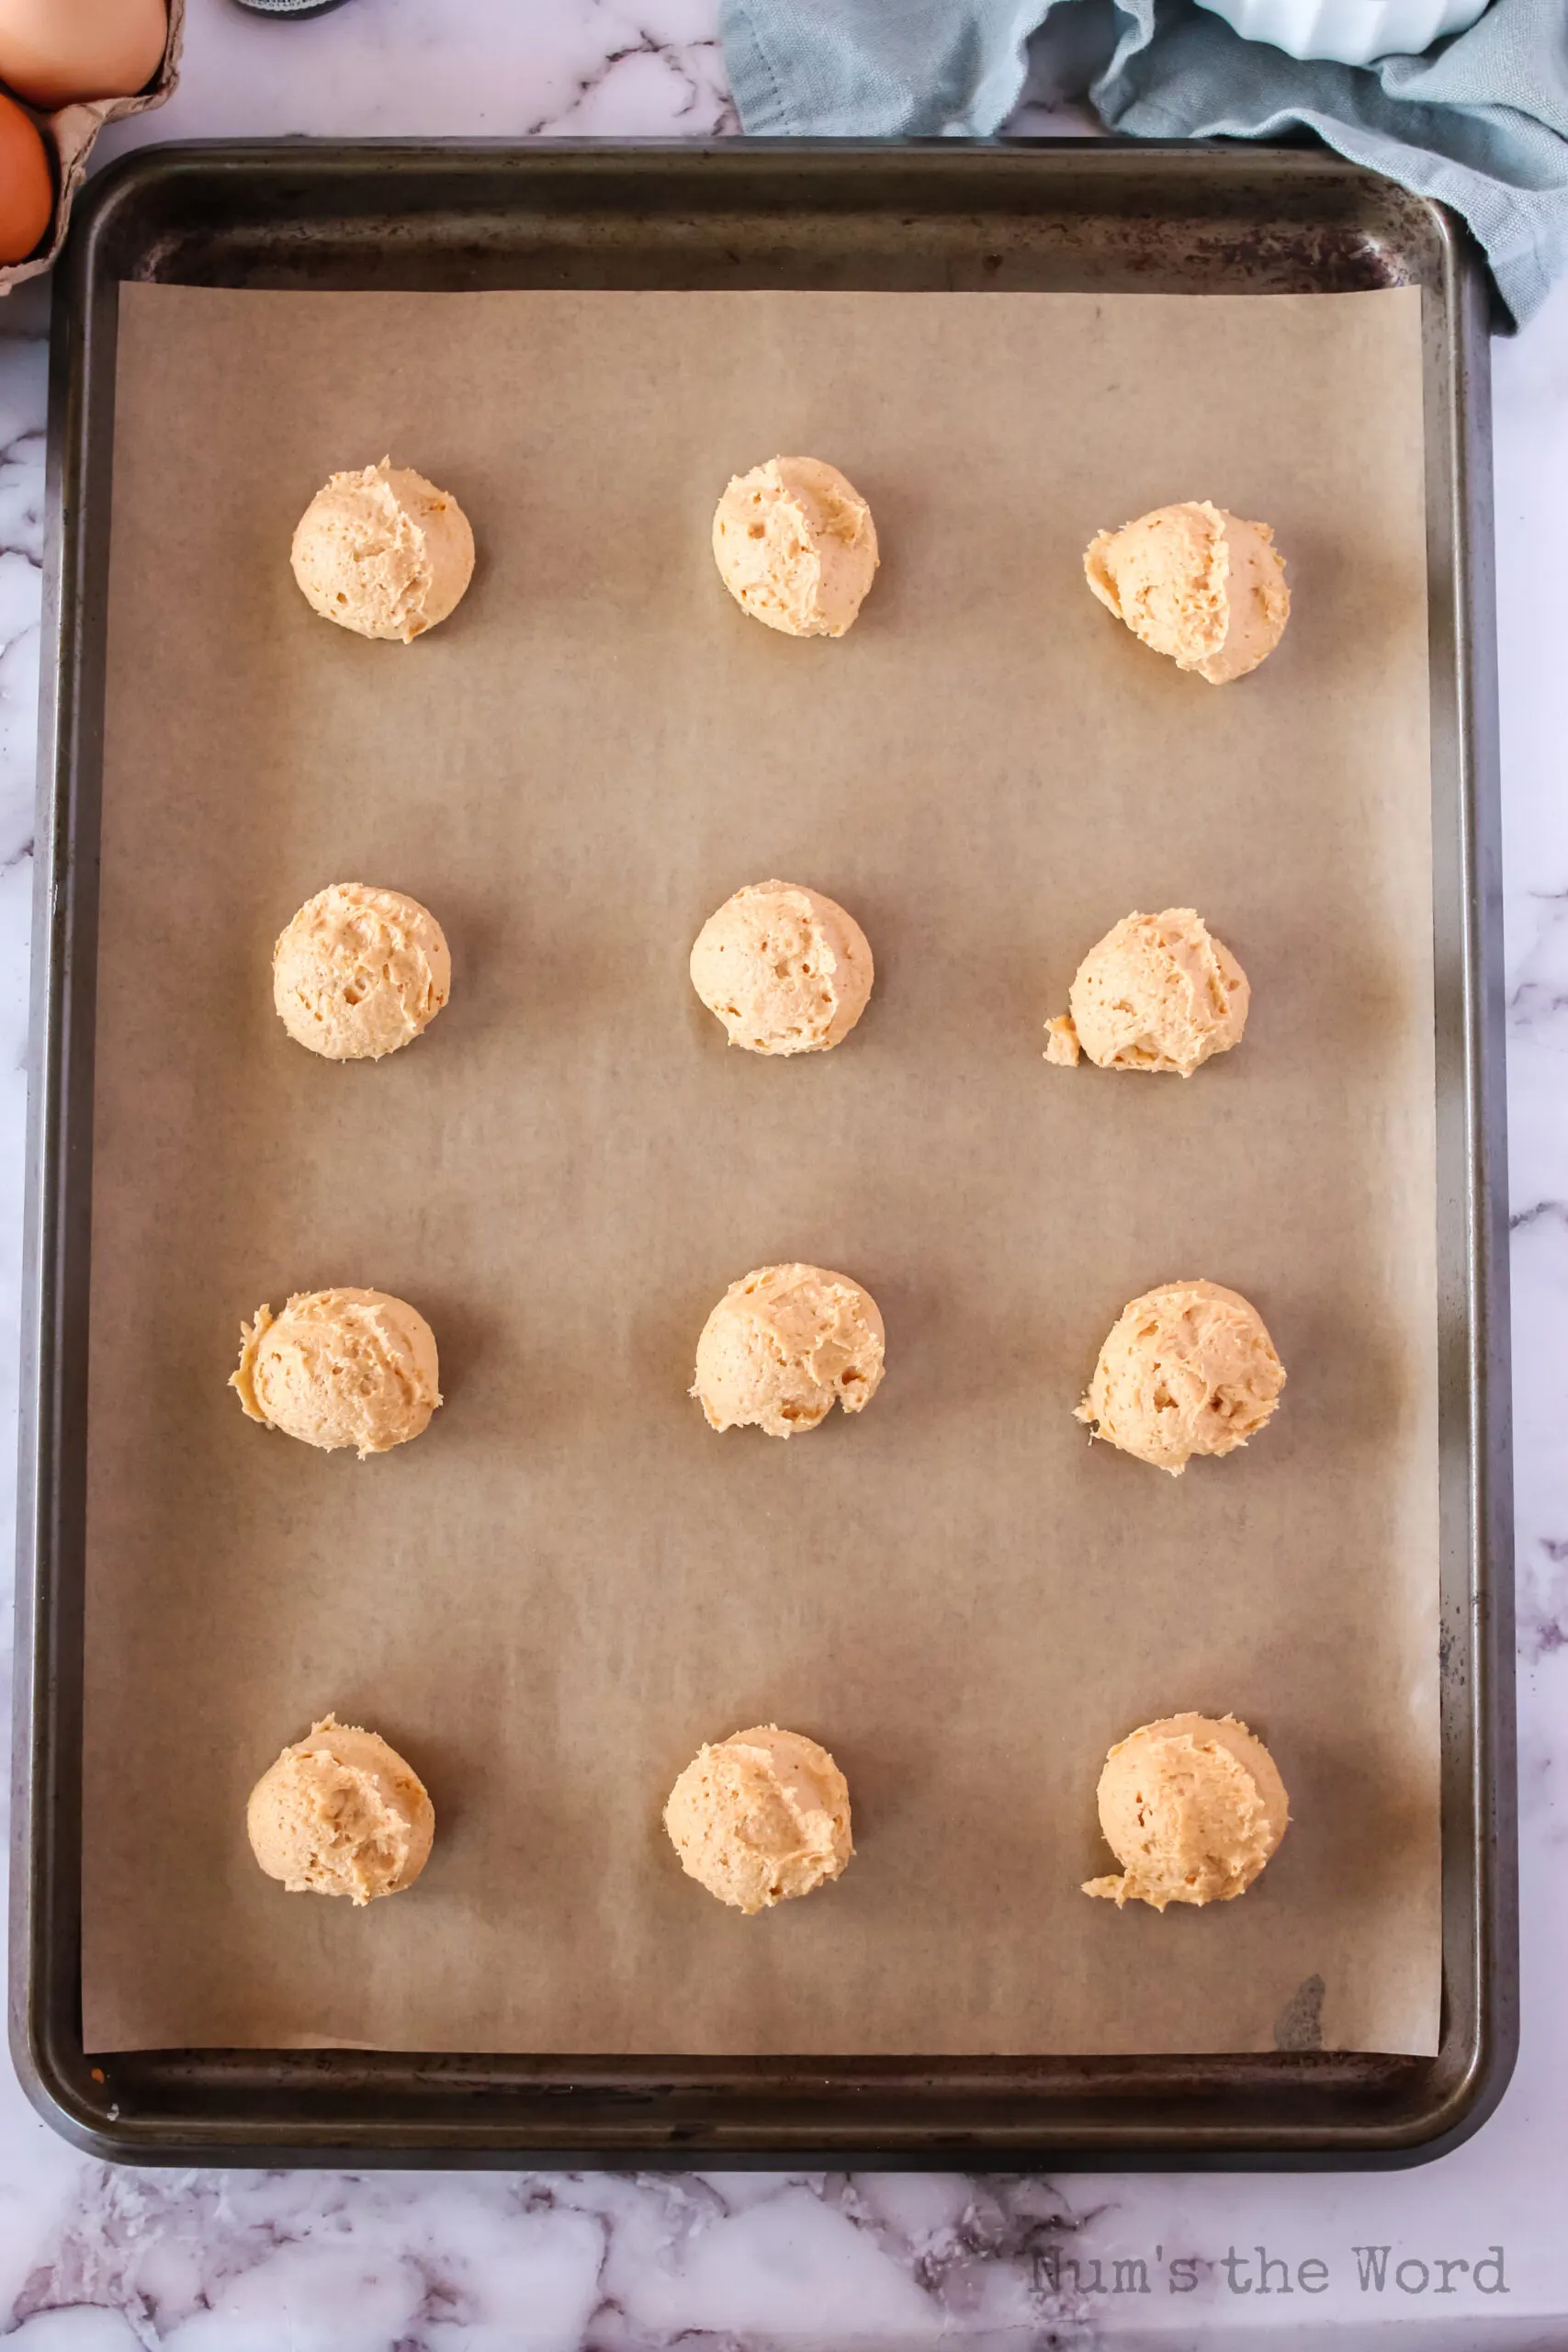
(551, 1599)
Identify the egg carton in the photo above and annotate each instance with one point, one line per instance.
(70, 135)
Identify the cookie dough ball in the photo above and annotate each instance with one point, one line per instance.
(762, 1817)
(340, 1813)
(1158, 993)
(796, 546)
(786, 969)
(782, 1344)
(1197, 583)
(360, 972)
(383, 553)
(1191, 1808)
(1188, 1369)
(339, 1367)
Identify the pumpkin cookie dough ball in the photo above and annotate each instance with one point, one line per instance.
(1186, 1369)
(340, 1813)
(795, 547)
(762, 1817)
(783, 1344)
(1196, 584)
(360, 972)
(1191, 1808)
(339, 1367)
(383, 553)
(786, 969)
(1158, 993)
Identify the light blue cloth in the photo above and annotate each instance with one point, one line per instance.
(1480, 122)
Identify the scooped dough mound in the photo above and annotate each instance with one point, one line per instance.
(1192, 1809)
(762, 1817)
(1186, 1369)
(339, 1367)
(1197, 583)
(340, 1813)
(786, 969)
(383, 553)
(796, 546)
(782, 1344)
(360, 972)
(1159, 992)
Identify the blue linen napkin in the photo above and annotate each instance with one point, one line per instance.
(1480, 122)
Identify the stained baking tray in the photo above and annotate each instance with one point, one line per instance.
(1098, 216)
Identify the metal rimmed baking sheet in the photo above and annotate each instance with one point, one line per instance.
(1052, 1079)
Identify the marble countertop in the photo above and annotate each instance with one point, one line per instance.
(95, 2259)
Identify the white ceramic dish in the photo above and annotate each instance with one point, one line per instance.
(1350, 31)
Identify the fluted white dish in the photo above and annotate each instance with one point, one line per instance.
(1352, 32)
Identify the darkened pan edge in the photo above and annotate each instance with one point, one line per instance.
(1101, 215)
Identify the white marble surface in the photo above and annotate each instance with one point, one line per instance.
(97, 2260)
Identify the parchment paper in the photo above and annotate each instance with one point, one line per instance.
(550, 1600)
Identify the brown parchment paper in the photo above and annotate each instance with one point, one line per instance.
(551, 1599)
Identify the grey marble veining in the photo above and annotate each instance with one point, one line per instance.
(99, 2260)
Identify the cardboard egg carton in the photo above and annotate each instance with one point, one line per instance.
(71, 134)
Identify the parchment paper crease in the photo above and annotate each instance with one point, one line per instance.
(551, 1599)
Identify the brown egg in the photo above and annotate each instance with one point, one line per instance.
(54, 51)
(26, 183)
